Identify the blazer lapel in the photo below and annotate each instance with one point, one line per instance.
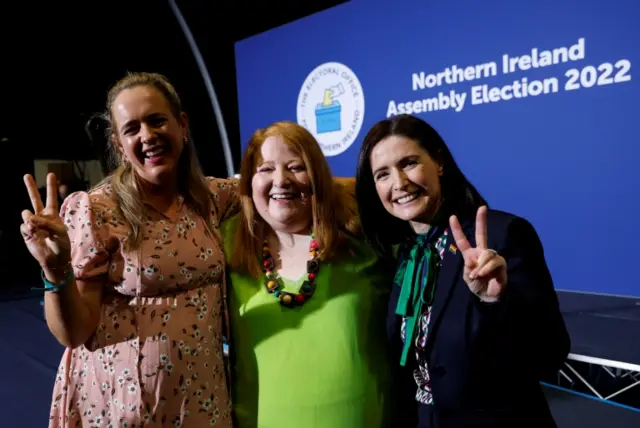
(452, 264)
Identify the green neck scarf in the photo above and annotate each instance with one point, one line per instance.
(417, 275)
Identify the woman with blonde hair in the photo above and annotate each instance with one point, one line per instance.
(306, 294)
(133, 274)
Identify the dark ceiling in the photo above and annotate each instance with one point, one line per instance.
(58, 61)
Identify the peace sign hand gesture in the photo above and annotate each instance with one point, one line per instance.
(44, 232)
(485, 272)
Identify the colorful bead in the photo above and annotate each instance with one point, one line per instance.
(286, 299)
(306, 290)
(312, 266)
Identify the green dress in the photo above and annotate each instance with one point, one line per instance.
(321, 365)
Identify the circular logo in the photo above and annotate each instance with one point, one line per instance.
(331, 107)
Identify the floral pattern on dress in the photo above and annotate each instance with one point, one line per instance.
(156, 357)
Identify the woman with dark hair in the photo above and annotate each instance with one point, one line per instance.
(474, 324)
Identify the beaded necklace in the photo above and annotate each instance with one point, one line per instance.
(273, 281)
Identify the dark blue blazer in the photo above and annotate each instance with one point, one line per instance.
(486, 360)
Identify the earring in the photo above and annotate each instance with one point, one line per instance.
(186, 140)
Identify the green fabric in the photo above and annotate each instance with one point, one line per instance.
(321, 365)
(417, 276)
(418, 267)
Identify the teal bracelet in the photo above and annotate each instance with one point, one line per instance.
(48, 286)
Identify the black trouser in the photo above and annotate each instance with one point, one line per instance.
(427, 417)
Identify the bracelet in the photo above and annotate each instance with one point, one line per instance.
(48, 286)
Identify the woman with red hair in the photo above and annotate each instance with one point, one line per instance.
(306, 294)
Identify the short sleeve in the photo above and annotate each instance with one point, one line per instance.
(226, 197)
(86, 219)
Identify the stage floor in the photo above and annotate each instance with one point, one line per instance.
(580, 411)
(606, 328)
(29, 361)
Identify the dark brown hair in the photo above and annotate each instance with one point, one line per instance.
(383, 230)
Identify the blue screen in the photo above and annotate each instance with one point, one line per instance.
(535, 100)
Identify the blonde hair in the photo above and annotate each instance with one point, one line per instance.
(192, 184)
(333, 204)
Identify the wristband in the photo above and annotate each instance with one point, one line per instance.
(49, 286)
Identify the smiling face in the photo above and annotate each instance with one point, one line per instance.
(147, 133)
(407, 180)
(281, 187)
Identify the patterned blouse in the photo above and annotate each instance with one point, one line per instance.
(421, 372)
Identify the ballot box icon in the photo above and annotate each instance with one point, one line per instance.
(328, 112)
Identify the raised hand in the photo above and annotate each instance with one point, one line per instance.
(485, 271)
(44, 232)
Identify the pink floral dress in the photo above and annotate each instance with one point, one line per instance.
(156, 359)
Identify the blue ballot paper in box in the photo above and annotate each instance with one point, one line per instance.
(328, 112)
